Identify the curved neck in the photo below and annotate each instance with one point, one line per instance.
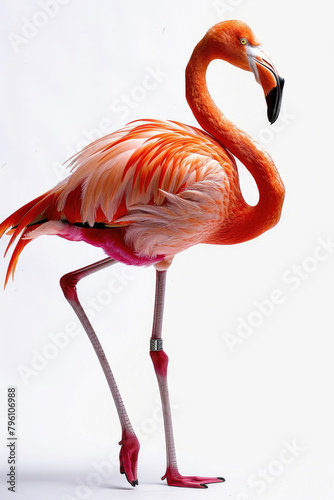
(248, 221)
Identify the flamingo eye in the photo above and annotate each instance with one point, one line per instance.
(243, 41)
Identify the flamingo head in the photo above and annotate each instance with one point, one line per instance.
(234, 42)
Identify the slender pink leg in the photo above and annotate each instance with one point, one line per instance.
(129, 443)
(160, 362)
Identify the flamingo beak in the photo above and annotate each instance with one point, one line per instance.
(267, 76)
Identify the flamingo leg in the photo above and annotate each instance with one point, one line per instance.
(160, 362)
(129, 443)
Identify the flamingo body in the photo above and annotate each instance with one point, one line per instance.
(142, 194)
(153, 189)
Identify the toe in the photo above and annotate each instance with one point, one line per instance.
(128, 458)
(174, 478)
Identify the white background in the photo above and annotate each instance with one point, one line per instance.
(235, 409)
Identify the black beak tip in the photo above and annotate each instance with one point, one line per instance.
(274, 100)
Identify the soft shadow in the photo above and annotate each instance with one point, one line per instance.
(67, 478)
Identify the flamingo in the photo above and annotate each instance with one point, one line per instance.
(153, 189)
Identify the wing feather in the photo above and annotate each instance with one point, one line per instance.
(137, 165)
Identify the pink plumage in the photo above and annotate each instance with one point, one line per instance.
(131, 191)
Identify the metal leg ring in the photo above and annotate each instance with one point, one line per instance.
(155, 344)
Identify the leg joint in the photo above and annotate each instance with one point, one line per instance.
(160, 362)
(68, 284)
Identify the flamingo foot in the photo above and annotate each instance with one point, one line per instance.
(128, 457)
(174, 478)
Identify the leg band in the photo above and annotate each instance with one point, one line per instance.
(155, 344)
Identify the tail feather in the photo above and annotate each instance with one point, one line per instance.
(15, 256)
(33, 212)
(13, 220)
(17, 224)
